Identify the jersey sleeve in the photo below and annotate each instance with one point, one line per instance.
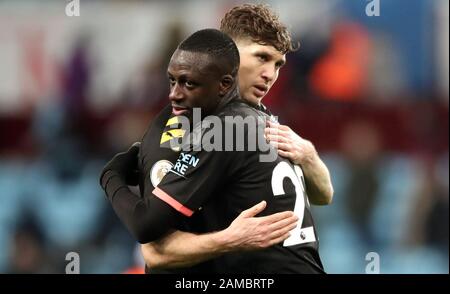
(194, 177)
(147, 218)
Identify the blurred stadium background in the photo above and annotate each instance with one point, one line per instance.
(371, 93)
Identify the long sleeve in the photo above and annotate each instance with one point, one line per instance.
(147, 218)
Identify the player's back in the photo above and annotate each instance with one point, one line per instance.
(218, 185)
(262, 174)
(230, 173)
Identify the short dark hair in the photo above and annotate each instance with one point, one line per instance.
(260, 24)
(216, 44)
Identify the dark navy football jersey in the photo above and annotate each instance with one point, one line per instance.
(158, 152)
(215, 186)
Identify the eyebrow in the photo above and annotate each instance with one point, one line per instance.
(181, 76)
(282, 61)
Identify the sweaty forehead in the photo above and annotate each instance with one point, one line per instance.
(195, 62)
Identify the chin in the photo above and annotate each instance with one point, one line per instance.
(257, 100)
(252, 99)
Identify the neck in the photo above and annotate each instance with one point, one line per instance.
(232, 95)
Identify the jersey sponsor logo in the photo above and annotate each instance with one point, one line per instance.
(172, 121)
(184, 162)
(159, 170)
(220, 133)
(174, 132)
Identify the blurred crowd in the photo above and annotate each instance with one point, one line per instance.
(371, 93)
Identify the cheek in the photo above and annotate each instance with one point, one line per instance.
(275, 78)
(209, 98)
(245, 77)
(277, 74)
(195, 99)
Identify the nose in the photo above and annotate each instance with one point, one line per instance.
(176, 94)
(269, 74)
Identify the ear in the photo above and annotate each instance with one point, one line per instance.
(226, 82)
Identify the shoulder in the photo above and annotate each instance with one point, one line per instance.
(163, 115)
(239, 109)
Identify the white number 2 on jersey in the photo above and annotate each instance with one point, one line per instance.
(280, 172)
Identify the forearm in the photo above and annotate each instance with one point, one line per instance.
(246, 232)
(182, 249)
(147, 218)
(318, 181)
(302, 152)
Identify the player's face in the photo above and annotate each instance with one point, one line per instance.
(193, 83)
(259, 68)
